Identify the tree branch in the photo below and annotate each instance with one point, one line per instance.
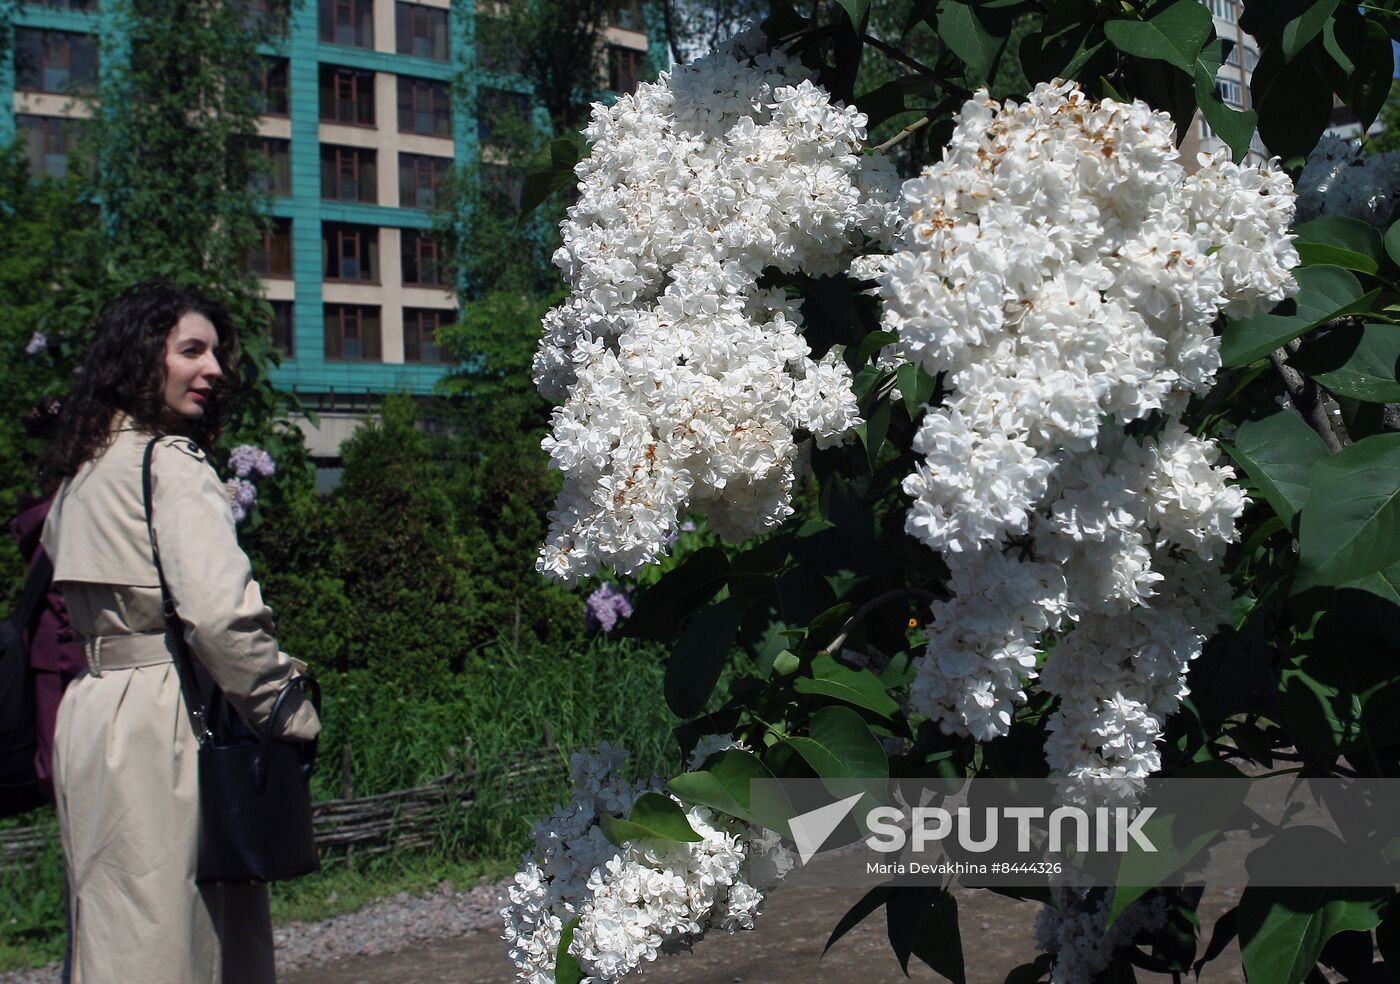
(1317, 409)
(912, 128)
(671, 32)
(835, 644)
(894, 53)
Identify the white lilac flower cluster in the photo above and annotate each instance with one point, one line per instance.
(1340, 178)
(38, 342)
(247, 462)
(684, 383)
(1076, 933)
(1065, 272)
(629, 902)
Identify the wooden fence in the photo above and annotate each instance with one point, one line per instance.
(359, 826)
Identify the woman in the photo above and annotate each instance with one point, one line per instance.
(124, 751)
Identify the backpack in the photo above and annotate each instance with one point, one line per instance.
(19, 783)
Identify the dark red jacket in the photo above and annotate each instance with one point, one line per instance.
(53, 655)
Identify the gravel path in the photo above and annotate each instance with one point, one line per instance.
(386, 926)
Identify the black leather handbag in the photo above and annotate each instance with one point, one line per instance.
(254, 790)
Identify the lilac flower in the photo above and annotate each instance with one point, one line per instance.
(37, 343)
(605, 607)
(244, 495)
(249, 459)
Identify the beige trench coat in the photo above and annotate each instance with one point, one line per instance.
(124, 752)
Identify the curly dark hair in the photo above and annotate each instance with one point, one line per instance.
(125, 371)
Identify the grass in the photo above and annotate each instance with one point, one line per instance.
(400, 736)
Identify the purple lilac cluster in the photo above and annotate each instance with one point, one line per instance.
(605, 607)
(248, 461)
(244, 495)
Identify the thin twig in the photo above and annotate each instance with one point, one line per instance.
(865, 609)
(1313, 405)
(912, 128)
(891, 51)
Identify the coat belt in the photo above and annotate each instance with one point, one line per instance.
(126, 651)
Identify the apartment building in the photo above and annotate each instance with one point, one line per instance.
(366, 104)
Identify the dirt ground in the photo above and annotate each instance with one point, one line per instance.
(784, 949)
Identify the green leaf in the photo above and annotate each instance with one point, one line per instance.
(856, 10)
(862, 688)
(923, 921)
(839, 745)
(1350, 525)
(873, 432)
(1175, 36)
(1324, 293)
(724, 785)
(873, 343)
(659, 611)
(965, 33)
(857, 914)
(1234, 126)
(654, 816)
(1179, 838)
(1392, 243)
(698, 658)
(1341, 241)
(1294, 101)
(566, 967)
(1278, 453)
(1283, 931)
(550, 169)
(1327, 292)
(1357, 361)
(1306, 26)
(1360, 64)
(915, 387)
(1383, 584)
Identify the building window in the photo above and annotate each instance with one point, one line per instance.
(270, 87)
(352, 332)
(1223, 9)
(349, 174)
(420, 327)
(496, 50)
(258, 15)
(276, 176)
(420, 259)
(350, 252)
(53, 61)
(347, 95)
(421, 30)
(626, 14)
(48, 140)
(65, 4)
(347, 22)
(279, 329)
(424, 107)
(1231, 92)
(624, 67)
(496, 106)
(502, 186)
(271, 255)
(419, 178)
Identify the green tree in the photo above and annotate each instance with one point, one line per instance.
(404, 565)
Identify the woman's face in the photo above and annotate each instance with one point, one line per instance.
(191, 365)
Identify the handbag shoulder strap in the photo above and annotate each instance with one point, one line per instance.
(175, 629)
